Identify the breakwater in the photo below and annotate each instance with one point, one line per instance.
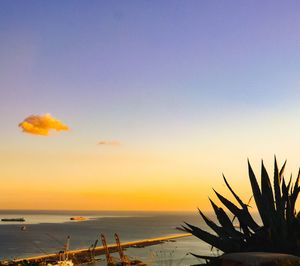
(88, 254)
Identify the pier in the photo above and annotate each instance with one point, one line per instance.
(86, 255)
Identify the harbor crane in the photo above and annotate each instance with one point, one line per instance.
(110, 260)
(91, 251)
(124, 259)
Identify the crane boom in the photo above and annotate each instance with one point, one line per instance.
(109, 258)
(124, 259)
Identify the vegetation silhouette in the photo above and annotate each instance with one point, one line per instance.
(279, 230)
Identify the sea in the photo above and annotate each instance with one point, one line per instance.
(46, 232)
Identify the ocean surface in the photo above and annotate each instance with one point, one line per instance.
(46, 232)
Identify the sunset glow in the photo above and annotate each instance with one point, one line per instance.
(150, 101)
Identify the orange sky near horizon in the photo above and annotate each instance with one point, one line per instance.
(120, 178)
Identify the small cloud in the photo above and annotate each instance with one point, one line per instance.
(109, 142)
(41, 124)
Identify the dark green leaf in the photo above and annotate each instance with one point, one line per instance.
(257, 194)
(218, 229)
(224, 245)
(225, 221)
(267, 196)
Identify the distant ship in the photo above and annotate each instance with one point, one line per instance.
(77, 218)
(13, 220)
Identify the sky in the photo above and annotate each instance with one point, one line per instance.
(142, 105)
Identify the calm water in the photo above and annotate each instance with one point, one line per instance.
(47, 231)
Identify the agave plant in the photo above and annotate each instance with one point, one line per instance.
(280, 227)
